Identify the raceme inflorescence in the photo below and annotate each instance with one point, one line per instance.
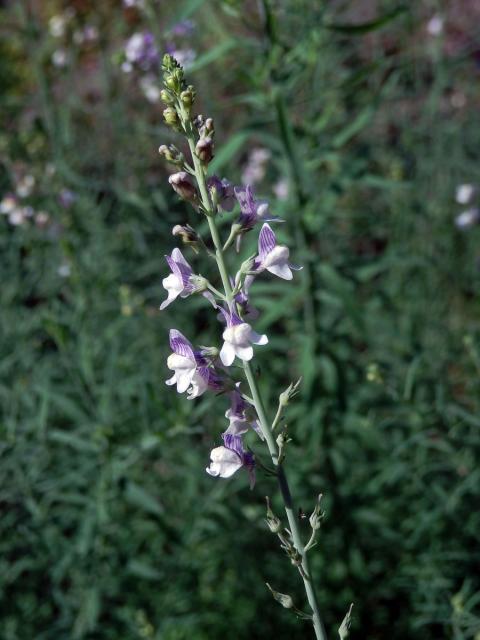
(226, 369)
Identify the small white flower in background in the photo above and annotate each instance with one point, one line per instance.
(59, 58)
(17, 217)
(8, 204)
(56, 26)
(464, 193)
(280, 189)
(64, 270)
(467, 219)
(138, 4)
(435, 25)
(25, 186)
(151, 90)
(42, 219)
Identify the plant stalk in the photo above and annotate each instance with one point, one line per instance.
(255, 392)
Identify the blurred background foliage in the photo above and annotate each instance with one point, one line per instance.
(357, 120)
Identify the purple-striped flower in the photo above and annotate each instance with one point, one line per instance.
(273, 257)
(182, 281)
(241, 415)
(192, 372)
(238, 339)
(231, 457)
(251, 210)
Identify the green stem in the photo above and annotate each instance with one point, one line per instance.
(254, 390)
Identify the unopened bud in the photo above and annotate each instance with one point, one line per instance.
(248, 264)
(274, 523)
(188, 96)
(183, 185)
(283, 598)
(317, 515)
(171, 154)
(170, 116)
(209, 352)
(290, 392)
(166, 96)
(186, 233)
(204, 149)
(199, 282)
(208, 126)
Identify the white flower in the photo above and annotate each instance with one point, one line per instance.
(25, 186)
(150, 89)
(464, 193)
(186, 376)
(238, 340)
(59, 58)
(7, 205)
(224, 462)
(56, 26)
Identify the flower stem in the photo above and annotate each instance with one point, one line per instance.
(254, 390)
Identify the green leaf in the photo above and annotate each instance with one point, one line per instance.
(137, 496)
(367, 27)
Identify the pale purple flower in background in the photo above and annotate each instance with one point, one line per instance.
(225, 192)
(435, 25)
(66, 198)
(238, 339)
(228, 459)
(192, 372)
(467, 219)
(140, 50)
(238, 415)
(184, 56)
(255, 169)
(86, 35)
(182, 281)
(464, 193)
(183, 28)
(273, 257)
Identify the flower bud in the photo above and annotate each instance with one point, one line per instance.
(283, 598)
(274, 523)
(166, 96)
(171, 154)
(187, 97)
(186, 233)
(199, 282)
(209, 352)
(170, 116)
(183, 185)
(246, 266)
(204, 149)
(317, 515)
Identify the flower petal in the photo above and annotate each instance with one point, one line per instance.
(227, 354)
(281, 270)
(224, 462)
(266, 241)
(256, 338)
(180, 345)
(244, 353)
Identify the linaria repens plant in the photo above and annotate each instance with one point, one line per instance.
(198, 370)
